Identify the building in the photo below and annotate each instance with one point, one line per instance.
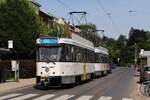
(46, 17)
(35, 5)
(144, 57)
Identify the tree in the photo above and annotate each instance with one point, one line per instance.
(138, 37)
(20, 23)
(89, 32)
(109, 43)
(58, 30)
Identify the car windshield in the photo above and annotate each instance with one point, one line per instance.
(147, 68)
(49, 54)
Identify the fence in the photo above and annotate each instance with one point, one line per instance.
(27, 68)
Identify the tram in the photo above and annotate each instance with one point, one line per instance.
(64, 60)
(101, 61)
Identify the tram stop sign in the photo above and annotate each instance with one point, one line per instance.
(15, 65)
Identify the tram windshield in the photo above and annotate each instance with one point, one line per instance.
(50, 54)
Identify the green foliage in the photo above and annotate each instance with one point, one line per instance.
(89, 32)
(58, 30)
(136, 36)
(20, 23)
(126, 47)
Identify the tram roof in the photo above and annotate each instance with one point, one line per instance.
(74, 40)
(77, 43)
(101, 50)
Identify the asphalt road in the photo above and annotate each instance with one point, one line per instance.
(115, 86)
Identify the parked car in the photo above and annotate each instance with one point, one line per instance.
(145, 74)
(137, 72)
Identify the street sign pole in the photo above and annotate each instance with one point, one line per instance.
(17, 71)
(15, 63)
(15, 68)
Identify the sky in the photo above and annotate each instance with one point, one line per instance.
(123, 20)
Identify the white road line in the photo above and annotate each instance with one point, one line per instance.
(127, 99)
(45, 97)
(64, 97)
(9, 96)
(84, 98)
(105, 98)
(24, 97)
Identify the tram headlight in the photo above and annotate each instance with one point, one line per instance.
(47, 69)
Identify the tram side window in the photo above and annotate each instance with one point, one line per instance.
(103, 60)
(62, 55)
(74, 53)
(78, 54)
(92, 56)
(98, 58)
(66, 54)
(84, 54)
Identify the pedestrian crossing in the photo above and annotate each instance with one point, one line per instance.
(105, 98)
(45, 97)
(19, 96)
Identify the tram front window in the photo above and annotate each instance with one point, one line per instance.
(51, 54)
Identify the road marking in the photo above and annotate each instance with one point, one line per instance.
(64, 97)
(127, 99)
(105, 98)
(84, 98)
(45, 97)
(24, 97)
(9, 96)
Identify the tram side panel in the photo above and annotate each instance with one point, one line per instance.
(99, 69)
(84, 70)
(64, 72)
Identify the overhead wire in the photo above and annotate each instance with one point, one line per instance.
(109, 16)
(68, 7)
(65, 5)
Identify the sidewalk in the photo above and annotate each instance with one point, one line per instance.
(14, 85)
(135, 92)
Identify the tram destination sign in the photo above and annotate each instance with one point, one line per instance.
(47, 41)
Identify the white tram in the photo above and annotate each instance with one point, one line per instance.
(101, 61)
(64, 61)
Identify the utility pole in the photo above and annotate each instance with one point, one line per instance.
(74, 15)
(135, 55)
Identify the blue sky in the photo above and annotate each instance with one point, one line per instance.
(117, 8)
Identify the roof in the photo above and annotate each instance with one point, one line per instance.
(46, 14)
(101, 50)
(145, 54)
(36, 3)
(75, 40)
(77, 43)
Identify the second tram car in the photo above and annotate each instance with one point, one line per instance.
(64, 61)
(101, 61)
